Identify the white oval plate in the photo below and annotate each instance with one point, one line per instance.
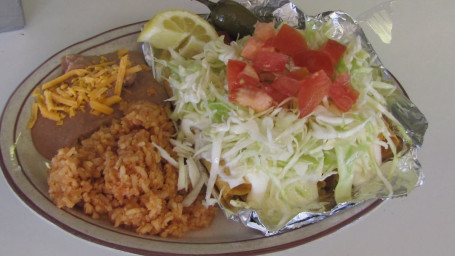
(24, 169)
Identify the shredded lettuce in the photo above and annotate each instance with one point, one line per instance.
(283, 156)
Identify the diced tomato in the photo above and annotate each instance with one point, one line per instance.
(299, 73)
(334, 49)
(342, 79)
(270, 42)
(342, 93)
(345, 79)
(340, 97)
(233, 69)
(287, 85)
(264, 31)
(353, 93)
(343, 96)
(343, 102)
(289, 40)
(266, 60)
(240, 74)
(252, 46)
(313, 90)
(248, 76)
(256, 98)
(275, 94)
(314, 61)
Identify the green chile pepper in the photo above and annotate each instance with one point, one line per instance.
(231, 17)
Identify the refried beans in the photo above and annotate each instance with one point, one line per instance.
(49, 137)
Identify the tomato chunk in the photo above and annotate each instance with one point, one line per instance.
(275, 94)
(252, 97)
(266, 60)
(342, 93)
(289, 40)
(338, 94)
(270, 43)
(299, 73)
(252, 46)
(342, 79)
(345, 79)
(313, 90)
(342, 101)
(233, 69)
(248, 76)
(353, 93)
(343, 96)
(334, 49)
(314, 60)
(264, 31)
(239, 75)
(287, 85)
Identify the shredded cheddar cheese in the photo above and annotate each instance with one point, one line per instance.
(121, 75)
(134, 69)
(112, 100)
(99, 85)
(58, 80)
(33, 116)
(100, 107)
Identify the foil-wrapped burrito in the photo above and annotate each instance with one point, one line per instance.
(274, 171)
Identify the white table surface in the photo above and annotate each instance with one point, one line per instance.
(421, 55)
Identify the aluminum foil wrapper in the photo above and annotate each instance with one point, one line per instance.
(399, 104)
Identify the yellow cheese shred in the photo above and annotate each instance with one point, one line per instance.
(134, 69)
(60, 79)
(100, 107)
(63, 100)
(72, 91)
(112, 100)
(121, 75)
(33, 116)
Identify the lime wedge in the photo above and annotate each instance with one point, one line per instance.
(181, 30)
